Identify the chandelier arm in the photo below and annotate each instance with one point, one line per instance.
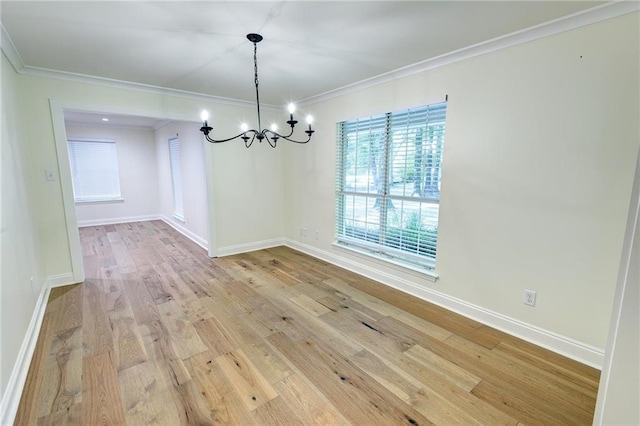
(232, 138)
(273, 140)
(279, 136)
(286, 136)
(247, 142)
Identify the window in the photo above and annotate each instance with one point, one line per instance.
(176, 178)
(388, 183)
(94, 170)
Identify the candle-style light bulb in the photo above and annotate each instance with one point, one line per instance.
(309, 121)
(244, 127)
(274, 127)
(292, 108)
(204, 115)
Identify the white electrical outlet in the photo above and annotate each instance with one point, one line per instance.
(530, 297)
(316, 235)
(303, 232)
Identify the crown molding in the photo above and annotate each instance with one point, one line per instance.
(156, 126)
(566, 23)
(140, 87)
(10, 51)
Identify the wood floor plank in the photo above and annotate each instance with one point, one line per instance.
(223, 403)
(249, 383)
(357, 397)
(445, 404)
(161, 348)
(159, 333)
(276, 412)
(128, 346)
(455, 374)
(101, 399)
(396, 380)
(146, 398)
(316, 326)
(70, 313)
(310, 405)
(552, 389)
(57, 299)
(214, 335)
(186, 340)
(70, 416)
(97, 335)
(142, 304)
(386, 309)
(29, 407)
(308, 304)
(66, 382)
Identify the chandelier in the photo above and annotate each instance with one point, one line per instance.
(271, 134)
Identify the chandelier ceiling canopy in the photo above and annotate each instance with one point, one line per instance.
(271, 134)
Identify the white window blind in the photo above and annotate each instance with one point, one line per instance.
(176, 178)
(94, 170)
(388, 183)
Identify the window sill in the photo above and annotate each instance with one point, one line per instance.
(423, 272)
(100, 201)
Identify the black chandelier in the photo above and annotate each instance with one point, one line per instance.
(271, 135)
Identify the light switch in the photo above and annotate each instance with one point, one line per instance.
(51, 175)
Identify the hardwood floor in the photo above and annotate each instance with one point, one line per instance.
(161, 334)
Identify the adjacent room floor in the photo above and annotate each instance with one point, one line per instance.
(161, 334)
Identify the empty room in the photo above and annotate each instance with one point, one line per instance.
(320, 212)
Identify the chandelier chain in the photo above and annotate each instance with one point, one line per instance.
(255, 63)
(255, 70)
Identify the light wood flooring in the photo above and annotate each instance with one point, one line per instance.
(161, 334)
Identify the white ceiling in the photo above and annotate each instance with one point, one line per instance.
(309, 48)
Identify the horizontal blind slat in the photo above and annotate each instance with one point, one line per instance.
(94, 170)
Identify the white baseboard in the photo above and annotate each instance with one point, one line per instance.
(13, 392)
(184, 231)
(116, 220)
(247, 247)
(60, 280)
(568, 347)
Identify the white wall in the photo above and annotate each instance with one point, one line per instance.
(194, 178)
(538, 165)
(18, 253)
(137, 170)
(619, 390)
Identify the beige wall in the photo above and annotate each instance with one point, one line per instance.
(18, 250)
(538, 164)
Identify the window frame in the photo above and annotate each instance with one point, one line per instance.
(373, 246)
(175, 167)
